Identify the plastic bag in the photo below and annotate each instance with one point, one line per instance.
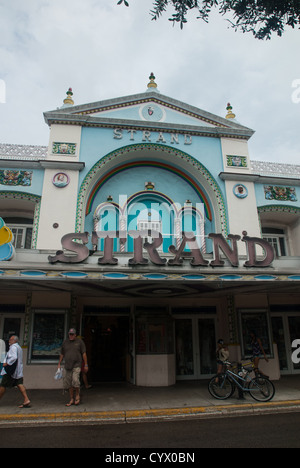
(58, 374)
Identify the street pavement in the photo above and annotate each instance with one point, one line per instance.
(125, 403)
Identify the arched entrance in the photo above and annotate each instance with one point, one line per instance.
(164, 158)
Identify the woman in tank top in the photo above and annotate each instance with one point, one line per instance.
(257, 351)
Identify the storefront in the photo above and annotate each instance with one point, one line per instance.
(145, 225)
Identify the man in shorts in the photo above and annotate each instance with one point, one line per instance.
(14, 354)
(73, 351)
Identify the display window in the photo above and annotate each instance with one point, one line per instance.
(48, 333)
(255, 322)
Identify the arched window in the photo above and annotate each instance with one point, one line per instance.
(151, 213)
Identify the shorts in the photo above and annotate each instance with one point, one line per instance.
(9, 382)
(72, 378)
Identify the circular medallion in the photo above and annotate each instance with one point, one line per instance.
(152, 112)
(240, 191)
(61, 180)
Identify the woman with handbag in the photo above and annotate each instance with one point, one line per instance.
(12, 372)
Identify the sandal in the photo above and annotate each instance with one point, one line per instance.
(77, 402)
(25, 405)
(70, 403)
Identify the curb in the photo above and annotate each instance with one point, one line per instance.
(150, 415)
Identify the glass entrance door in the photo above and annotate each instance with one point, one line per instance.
(286, 329)
(207, 346)
(10, 325)
(195, 347)
(106, 339)
(185, 356)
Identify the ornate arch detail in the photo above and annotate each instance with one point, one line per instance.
(115, 163)
(36, 199)
(279, 209)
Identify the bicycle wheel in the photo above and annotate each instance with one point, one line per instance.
(261, 389)
(220, 387)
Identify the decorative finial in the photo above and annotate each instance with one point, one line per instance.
(69, 101)
(149, 185)
(230, 114)
(152, 83)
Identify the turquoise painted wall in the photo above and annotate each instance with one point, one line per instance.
(99, 143)
(268, 199)
(36, 186)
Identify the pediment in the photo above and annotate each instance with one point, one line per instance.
(149, 108)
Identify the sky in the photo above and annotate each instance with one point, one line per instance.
(102, 51)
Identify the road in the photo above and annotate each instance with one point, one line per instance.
(267, 431)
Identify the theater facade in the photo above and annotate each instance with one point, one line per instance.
(145, 224)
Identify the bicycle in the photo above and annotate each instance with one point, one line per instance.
(222, 386)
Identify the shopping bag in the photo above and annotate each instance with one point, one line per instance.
(58, 374)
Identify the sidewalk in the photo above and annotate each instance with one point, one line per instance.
(121, 402)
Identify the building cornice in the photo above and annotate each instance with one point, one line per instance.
(261, 179)
(86, 115)
(91, 121)
(42, 164)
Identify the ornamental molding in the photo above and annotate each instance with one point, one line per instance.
(275, 169)
(35, 152)
(23, 152)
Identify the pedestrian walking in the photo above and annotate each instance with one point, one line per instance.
(73, 352)
(2, 355)
(12, 372)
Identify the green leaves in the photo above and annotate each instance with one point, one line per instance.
(123, 1)
(260, 17)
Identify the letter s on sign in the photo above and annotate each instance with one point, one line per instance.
(118, 134)
(295, 354)
(67, 242)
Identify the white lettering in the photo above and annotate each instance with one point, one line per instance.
(161, 138)
(118, 134)
(187, 139)
(172, 457)
(296, 93)
(296, 353)
(174, 138)
(132, 132)
(115, 458)
(2, 92)
(146, 135)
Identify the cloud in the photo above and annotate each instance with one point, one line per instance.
(102, 50)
